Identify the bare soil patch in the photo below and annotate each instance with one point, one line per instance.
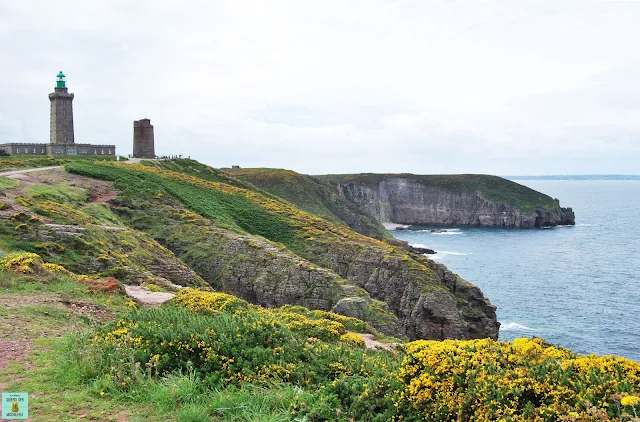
(370, 343)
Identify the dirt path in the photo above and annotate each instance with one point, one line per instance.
(370, 343)
(20, 329)
(14, 172)
(146, 297)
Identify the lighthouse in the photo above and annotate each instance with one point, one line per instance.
(61, 121)
(61, 138)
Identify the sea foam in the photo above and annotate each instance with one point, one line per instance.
(514, 326)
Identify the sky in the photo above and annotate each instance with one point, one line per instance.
(337, 86)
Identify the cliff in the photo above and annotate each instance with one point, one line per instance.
(195, 226)
(467, 200)
(260, 247)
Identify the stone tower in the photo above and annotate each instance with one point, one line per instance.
(61, 123)
(143, 142)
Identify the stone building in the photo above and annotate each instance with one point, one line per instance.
(61, 135)
(143, 141)
(61, 121)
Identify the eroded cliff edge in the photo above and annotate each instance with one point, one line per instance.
(465, 200)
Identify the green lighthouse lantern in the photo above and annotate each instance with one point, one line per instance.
(61, 80)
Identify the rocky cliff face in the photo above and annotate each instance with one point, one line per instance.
(404, 200)
(401, 295)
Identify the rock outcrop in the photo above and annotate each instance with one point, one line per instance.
(408, 199)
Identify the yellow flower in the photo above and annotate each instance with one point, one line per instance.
(630, 401)
(102, 393)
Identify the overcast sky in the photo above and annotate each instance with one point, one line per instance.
(503, 87)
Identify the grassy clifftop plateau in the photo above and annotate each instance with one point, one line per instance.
(467, 200)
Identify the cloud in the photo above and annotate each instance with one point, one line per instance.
(376, 85)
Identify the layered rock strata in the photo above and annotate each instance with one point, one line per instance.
(403, 200)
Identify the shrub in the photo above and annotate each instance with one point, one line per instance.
(349, 323)
(198, 300)
(527, 380)
(230, 348)
(22, 263)
(323, 325)
(104, 285)
(352, 339)
(323, 329)
(50, 247)
(56, 269)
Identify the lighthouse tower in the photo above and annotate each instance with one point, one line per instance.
(61, 123)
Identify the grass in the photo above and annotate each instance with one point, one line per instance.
(61, 193)
(55, 395)
(99, 250)
(314, 196)
(56, 388)
(101, 214)
(227, 206)
(17, 162)
(58, 286)
(8, 183)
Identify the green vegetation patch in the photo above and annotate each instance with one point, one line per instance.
(8, 183)
(18, 162)
(314, 196)
(61, 193)
(101, 214)
(225, 205)
(223, 350)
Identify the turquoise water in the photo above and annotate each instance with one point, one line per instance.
(574, 286)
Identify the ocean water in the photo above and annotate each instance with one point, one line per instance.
(577, 286)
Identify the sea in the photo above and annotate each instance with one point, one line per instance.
(574, 286)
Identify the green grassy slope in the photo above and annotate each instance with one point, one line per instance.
(493, 188)
(314, 196)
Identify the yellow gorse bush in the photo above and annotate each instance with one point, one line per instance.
(319, 324)
(198, 300)
(526, 380)
(55, 268)
(353, 339)
(630, 401)
(22, 262)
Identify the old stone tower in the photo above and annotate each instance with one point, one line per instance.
(61, 124)
(143, 142)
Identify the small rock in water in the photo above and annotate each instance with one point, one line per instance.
(419, 250)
